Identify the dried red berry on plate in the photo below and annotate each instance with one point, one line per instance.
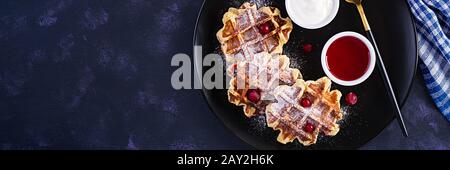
(351, 98)
(307, 48)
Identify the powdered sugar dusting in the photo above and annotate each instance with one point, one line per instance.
(346, 113)
(261, 3)
(258, 123)
(292, 51)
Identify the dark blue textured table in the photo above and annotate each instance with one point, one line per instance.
(96, 75)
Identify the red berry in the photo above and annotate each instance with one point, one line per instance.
(235, 67)
(305, 102)
(307, 48)
(253, 95)
(309, 128)
(264, 28)
(233, 70)
(351, 99)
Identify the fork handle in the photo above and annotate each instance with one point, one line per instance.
(387, 83)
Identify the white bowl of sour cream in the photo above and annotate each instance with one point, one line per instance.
(312, 14)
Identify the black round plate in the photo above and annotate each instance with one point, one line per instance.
(394, 30)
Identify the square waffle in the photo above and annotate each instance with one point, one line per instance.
(305, 123)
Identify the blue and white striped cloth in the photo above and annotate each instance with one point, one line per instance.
(433, 26)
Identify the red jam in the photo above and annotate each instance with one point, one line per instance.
(348, 58)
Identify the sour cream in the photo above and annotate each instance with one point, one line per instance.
(312, 14)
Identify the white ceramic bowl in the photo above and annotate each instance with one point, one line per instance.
(372, 59)
(293, 14)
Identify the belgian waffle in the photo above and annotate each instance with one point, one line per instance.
(241, 38)
(250, 75)
(290, 118)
